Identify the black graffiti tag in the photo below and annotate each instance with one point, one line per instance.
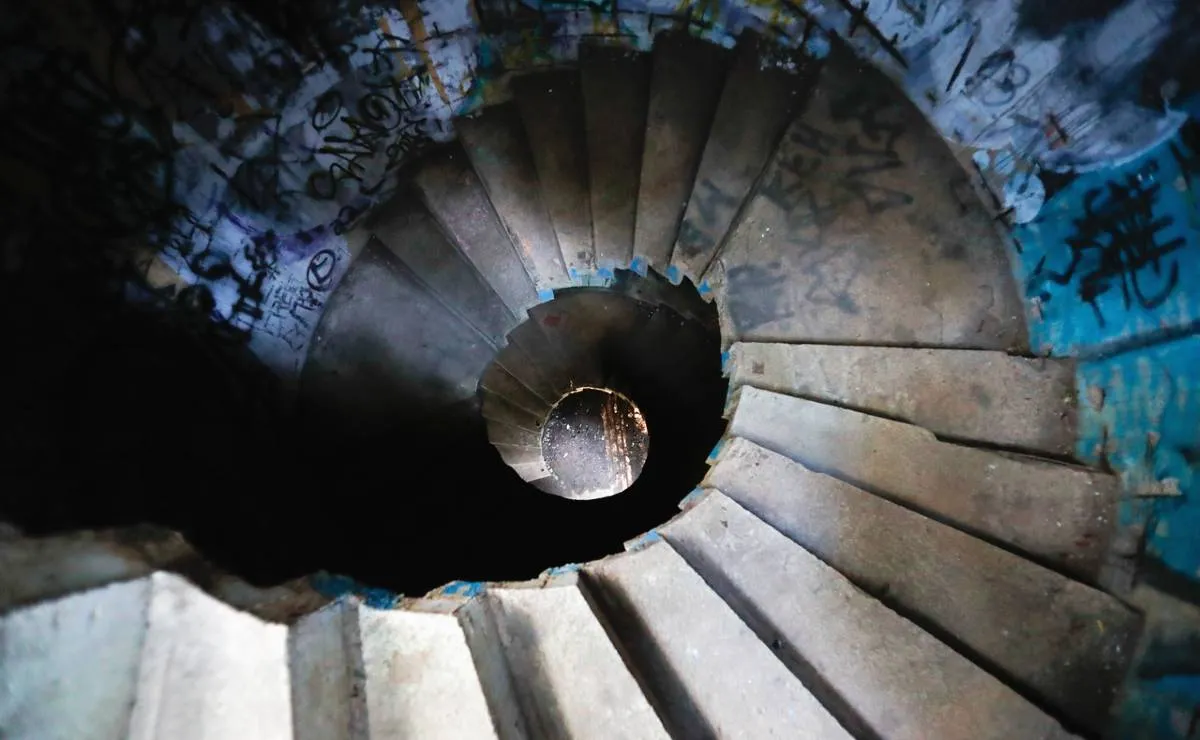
(320, 269)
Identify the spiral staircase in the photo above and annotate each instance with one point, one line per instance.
(890, 541)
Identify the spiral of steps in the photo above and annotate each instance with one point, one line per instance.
(890, 542)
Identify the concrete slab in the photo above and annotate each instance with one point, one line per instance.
(487, 653)
(685, 86)
(709, 674)
(551, 107)
(758, 101)
(880, 669)
(1056, 640)
(864, 229)
(498, 381)
(616, 85)
(495, 143)
(496, 408)
(1062, 515)
(546, 366)
(572, 681)
(453, 193)
(582, 323)
(976, 395)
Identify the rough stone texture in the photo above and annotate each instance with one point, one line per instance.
(709, 674)
(551, 108)
(453, 192)
(864, 228)
(325, 668)
(409, 232)
(758, 101)
(1056, 639)
(573, 683)
(496, 144)
(1060, 514)
(615, 84)
(879, 668)
(152, 658)
(499, 685)
(684, 89)
(962, 394)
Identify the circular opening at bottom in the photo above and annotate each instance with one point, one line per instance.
(595, 442)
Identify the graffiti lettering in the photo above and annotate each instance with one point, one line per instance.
(320, 269)
(998, 79)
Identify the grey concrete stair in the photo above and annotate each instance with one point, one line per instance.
(1060, 514)
(498, 381)
(707, 672)
(983, 396)
(615, 84)
(864, 229)
(758, 101)
(551, 107)
(453, 193)
(1057, 640)
(150, 658)
(685, 86)
(571, 681)
(543, 373)
(495, 143)
(881, 670)
(497, 408)
(358, 672)
(582, 323)
(518, 454)
(504, 434)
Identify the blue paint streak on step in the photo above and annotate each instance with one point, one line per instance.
(673, 275)
(716, 452)
(468, 589)
(640, 266)
(337, 586)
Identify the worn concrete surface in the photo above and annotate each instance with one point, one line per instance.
(531, 360)
(879, 668)
(864, 228)
(685, 85)
(499, 684)
(497, 408)
(551, 107)
(709, 674)
(499, 382)
(1059, 641)
(981, 396)
(456, 197)
(1062, 515)
(571, 681)
(581, 325)
(757, 103)
(499, 151)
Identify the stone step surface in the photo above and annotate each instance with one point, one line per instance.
(976, 395)
(551, 107)
(763, 92)
(882, 671)
(1059, 514)
(497, 408)
(685, 86)
(1055, 639)
(499, 152)
(865, 229)
(538, 366)
(582, 324)
(498, 381)
(150, 658)
(709, 674)
(570, 679)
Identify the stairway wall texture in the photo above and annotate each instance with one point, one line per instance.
(232, 146)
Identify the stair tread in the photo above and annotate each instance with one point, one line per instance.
(864, 228)
(1063, 515)
(897, 679)
(711, 675)
(551, 108)
(497, 408)
(615, 85)
(495, 143)
(684, 89)
(453, 192)
(538, 364)
(585, 324)
(564, 662)
(504, 434)
(1054, 637)
(757, 103)
(978, 395)
(496, 380)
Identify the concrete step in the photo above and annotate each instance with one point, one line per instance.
(495, 143)
(453, 193)
(616, 86)
(707, 672)
(1061, 515)
(532, 471)
(411, 233)
(500, 433)
(151, 658)
(685, 86)
(538, 365)
(551, 106)
(499, 382)
(865, 229)
(975, 395)
(497, 408)
(358, 672)
(759, 99)
(518, 454)
(1056, 640)
(570, 679)
(583, 324)
(882, 673)
(654, 289)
